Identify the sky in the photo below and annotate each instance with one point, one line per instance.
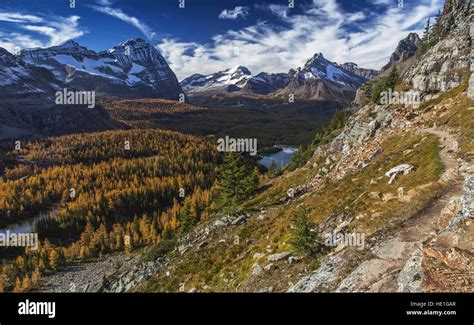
(206, 36)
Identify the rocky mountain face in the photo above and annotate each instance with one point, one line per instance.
(405, 50)
(133, 69)
(358, 71)
(402, 58)
(237, 80)
(29, 81)
(266, 83)
(18, 79)
(227, 81)
(319, 79)
(446, 64)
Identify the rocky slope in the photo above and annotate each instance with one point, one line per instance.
(397, 176)
(18, 79)
(417, 227)
(447, 64)
(358, 71)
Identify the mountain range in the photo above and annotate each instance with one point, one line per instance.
(132, 69)
(136, 69)
(318, 79)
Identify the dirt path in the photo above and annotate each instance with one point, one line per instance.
(390, 254)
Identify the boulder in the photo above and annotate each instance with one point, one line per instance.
(257, 255)
(278, 256)
(392, 173)
(203, 244)
(293, 259)
(239, 220)
(410, 277)
(270, 267)
(256, 270)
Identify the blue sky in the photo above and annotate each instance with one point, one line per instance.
(211, 35)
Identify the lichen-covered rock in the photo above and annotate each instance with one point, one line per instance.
(410, 277)
(443, 66)
(278, 256)
(324, 277)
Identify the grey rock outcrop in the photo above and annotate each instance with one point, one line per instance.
(324, 277)
(410, 277)
(405, 50)
(358, 129)
(467, 204)
(443, 66)
(278, 256)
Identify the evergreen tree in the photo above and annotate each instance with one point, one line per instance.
(436, 31)
(424, 41)
(273, 170)
(392, 79)
(426, 32)
(252, 181)
(186, 220)
(303, 239)
(384, 84)
(237, 181)
(53, 259)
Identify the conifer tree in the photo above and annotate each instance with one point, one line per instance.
(18, 287)
(436, 31)
(233, 173)
(273, 170)
(53, 259)
(26, 284)
(392, 79)
(303, 238)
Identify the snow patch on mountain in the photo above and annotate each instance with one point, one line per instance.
(131, 69)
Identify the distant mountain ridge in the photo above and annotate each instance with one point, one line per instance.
(318, 79)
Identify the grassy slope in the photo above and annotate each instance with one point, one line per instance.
(213, 266)
(228, 267)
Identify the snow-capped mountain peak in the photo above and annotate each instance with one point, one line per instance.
(316, 70)
(319, 67)
(231, 79)
(131, 69)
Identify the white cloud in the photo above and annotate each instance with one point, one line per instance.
(384, 2)
(323, 28)
(105, 7)
(59, 31)
(15, 17)
(234, 13)
(54, 29)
